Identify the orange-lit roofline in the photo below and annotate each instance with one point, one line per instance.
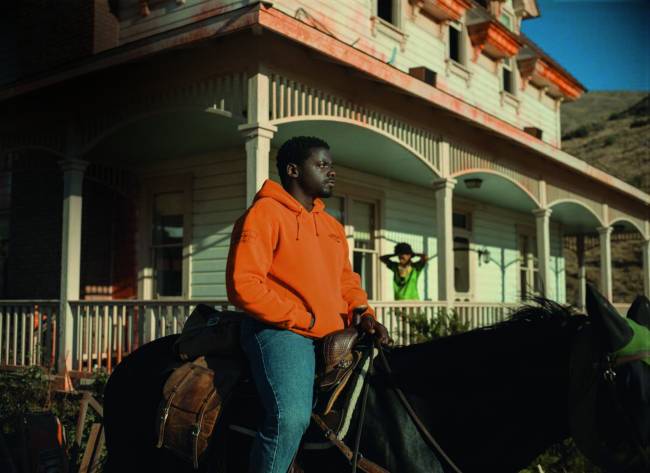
(442, 10)
(282, 24)
(537, 69)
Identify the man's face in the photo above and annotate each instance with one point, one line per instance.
(317, 176)
(404, 258)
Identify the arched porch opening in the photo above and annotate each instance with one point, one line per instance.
(580, 244)
(627, 241)
(495, 239)
(384, 196)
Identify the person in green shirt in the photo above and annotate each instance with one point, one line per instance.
(406, 272)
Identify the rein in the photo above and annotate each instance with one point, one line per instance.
(414, 417)
(610, 376)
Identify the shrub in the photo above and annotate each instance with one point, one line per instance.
(444, 323)
(30, 390)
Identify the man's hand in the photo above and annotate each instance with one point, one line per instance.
(366, 323)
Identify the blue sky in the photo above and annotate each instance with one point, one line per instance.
(605, 44)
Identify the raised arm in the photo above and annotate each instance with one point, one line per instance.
(249, 261)
(386, 258)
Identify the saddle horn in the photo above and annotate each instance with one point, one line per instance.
(639, 311)
(614, 330)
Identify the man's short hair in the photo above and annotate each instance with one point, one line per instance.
(296, 150)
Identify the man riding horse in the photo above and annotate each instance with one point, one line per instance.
(289, 269)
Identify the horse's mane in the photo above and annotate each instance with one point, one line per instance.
(541, 310)
(532, 330)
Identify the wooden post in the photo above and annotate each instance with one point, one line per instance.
(73, 173)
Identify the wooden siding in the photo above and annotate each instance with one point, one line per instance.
(350, 21)
(218, 199)
(418, 42)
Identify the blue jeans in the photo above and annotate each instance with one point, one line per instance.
(282, 366)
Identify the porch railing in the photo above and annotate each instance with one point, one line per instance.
(106, 331)
(28, 332)
(396, 315)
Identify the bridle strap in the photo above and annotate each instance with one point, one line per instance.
(362, 414)
(414, 417)
(621, 360)
(610, 376)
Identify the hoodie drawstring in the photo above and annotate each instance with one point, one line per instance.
(316, 225)
(298, 225)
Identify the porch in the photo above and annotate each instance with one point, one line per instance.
(146, 182)
(104, 332)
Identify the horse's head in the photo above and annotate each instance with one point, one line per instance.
(610, 385)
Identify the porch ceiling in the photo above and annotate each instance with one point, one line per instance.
(495, 190)
(575, 218)
(362, 149)
(166, 136)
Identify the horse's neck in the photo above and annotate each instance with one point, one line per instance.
(498, 396)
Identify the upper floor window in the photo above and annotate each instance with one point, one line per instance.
(455, 49)
(387, 11)
(507, 20)
(507, 76)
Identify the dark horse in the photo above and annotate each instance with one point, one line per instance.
(494, 398)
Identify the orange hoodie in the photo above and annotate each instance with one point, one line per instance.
(285, 263)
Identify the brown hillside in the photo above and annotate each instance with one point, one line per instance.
(618, 142)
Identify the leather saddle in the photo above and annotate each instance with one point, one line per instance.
(184, 411)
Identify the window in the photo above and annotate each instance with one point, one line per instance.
(461, 264)
(359, 217)
(167, 244)
(5, 207)
(335, 206)
(461, 222)
(529, 283)
(365, 254)
(386, 11)
(507, 83)
(506, 20)
(456, 51)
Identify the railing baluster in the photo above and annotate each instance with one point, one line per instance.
(15, 336)
(30, 323)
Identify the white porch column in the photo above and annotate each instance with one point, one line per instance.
(73, 173)
(606, 261)
(582, 273)
(445, 237)
(542, 225)
(646, 267)
(258, 133)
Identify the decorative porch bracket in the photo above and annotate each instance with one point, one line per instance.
(445, 239)
(73, 174)
(542, 225)
(258, 133)
(605, 234)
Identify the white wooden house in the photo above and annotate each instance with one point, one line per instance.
(132, 140)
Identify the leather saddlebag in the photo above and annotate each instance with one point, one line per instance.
(209, 332)
(193, 399)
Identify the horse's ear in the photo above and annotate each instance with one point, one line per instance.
(639, 311)
(614, 330)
